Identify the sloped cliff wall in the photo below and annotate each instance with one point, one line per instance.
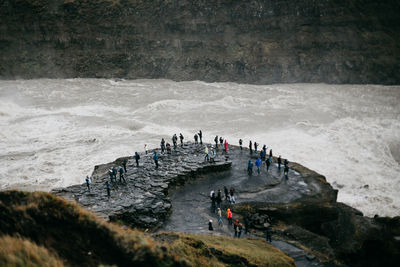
(260, 41)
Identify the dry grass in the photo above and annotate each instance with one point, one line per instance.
(18, 252)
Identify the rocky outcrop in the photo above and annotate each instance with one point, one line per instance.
(257, 41)
(142, 201)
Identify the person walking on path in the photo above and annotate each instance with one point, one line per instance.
(268, 235)
(162, 144)
(250, 168)
(181, 138)
(216, 141)
(137, 157)
(255, 147)
(240, 144)
(206, 156)
(201, 137)
(226, 146)
(226, 192)
(268, 163)
(121, 174)
(229, 216)
(88, 182)
(251, 147)
(279, 162)
(210, 226)
(196, 137)
(108, 189)
(258, 164)
(240, 229)
(235, 227)
(155, 158)
(286, 172)
(124, 164)
(145, 148)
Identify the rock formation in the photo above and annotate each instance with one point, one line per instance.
(257, 41)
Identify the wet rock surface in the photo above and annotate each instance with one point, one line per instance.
(142, 201)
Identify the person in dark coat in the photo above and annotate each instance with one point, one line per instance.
(181, 138)
(201, 137)
(286, 171)
(268, 163)
(137, 157)
(124, 164)
(279, 162)
(264, 149)
(155, 158)
(162, 144)
(250, 167)
(210, 226)
(240, 144)
(226, 193)
(255, 147)
(196, 137)
(219, 198)
(216, 141)
(251, 147)
(108, 189)
(121, 174)
(270, 153)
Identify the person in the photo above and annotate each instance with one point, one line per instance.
(246, 224)
(286, 171)
(121, 174)
(226, 192)
(162, 145)
(279, 162)
(262, 155)
(213, 155)
(270, 153)
(88, 182)
(201, 137)
(235, 227)
(268, 163)
(108, 189)
(229, 216)
(286, 162)
(206, 156)
(137, 157)
(219, 198)
(232, 195)
(181, 138)
(114, 170)
(240, 144)
(174, 140)
(250, 167)
(124, 164)
(219, 217)
(255, 147)
(258, 164)
(145, 148)
(240, 228)
(195, 138)
(111, 174)
(211, 193)
(251, 147)
(155, 158)
(221, 141)
(213, 199)
(168, 148)
(216, 141)
(210, 226)
(264, 149)
(226, 146)
(268, 235)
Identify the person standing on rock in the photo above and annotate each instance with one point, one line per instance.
(251, 147)
(240, 144)
(210, 226)
(108, 189)
(250, 168)
(226, 146)
(206, 156)
(145, 148)
(268, 163)
(121, 174)
(268, 234)
(124, 164)
(162, 144)
(229, 216)
(137, 157)
(216, 141)
(226, 192)
(255, 147)
(270, 153)
(196, 137)
(201, 137)
(88, 182)
(181, 138)
(155, 158)
(286, 172)
(279, 162)
(258, 165)
(168, 148)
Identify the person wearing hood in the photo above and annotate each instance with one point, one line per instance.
(258, 164)
(250, 167)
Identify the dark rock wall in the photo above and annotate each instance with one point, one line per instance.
(263, 41)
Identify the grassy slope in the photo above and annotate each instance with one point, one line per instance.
(79, 238)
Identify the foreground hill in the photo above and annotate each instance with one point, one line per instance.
(40, 229)
(260, 41)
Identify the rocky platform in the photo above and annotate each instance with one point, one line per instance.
(142, 201)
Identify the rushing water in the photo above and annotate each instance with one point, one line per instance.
(54, 131)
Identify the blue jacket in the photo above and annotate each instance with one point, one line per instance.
(258, 162)
(155, 156)
(250, 165)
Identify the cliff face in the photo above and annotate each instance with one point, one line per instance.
(260, 41)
